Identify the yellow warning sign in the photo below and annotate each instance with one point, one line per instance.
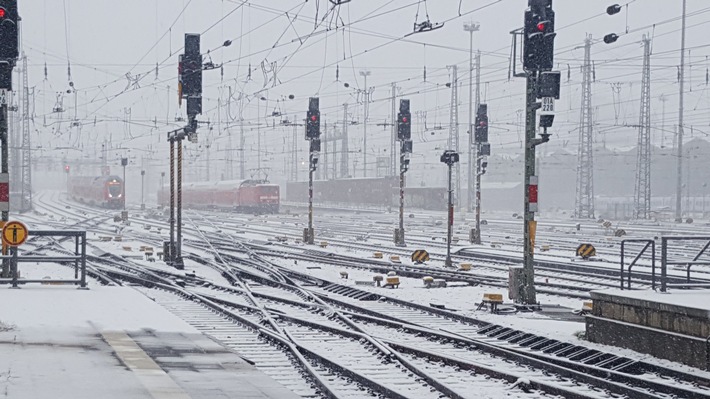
(532, 229)
(585, 251)
(14, 234)
(420, 256)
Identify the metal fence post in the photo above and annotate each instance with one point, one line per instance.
(653, 265)
(14, 266)
(664, 259)
(622, 264)
(83, 259)
(76, 252)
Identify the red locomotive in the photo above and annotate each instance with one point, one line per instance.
(103, 191)
(249, 196)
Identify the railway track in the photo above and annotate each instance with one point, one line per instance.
(325, 332)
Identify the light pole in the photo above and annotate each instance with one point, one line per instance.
(142, 189)
(679, 141)
(365, 74)
(449, 157)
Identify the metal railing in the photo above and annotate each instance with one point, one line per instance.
(78, 259)
(648, 244)
(689, 263)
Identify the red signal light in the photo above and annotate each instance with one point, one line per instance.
(404, 119)
(66, 168)
(314, 118)
(2, 13)
(541, 26)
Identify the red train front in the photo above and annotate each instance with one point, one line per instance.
(103, 191)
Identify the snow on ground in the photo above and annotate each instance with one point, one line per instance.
(459, 297)
(463, 298)
(100, 308)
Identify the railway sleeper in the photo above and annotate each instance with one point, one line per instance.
(568, 351)
(521, 338)
(530, 340)
(541, 343)
(595, 357)
(498, 332)
(508, 334)
(516, 337)
(579, 354)
(486, 330)
(554, 347)
(626, 365)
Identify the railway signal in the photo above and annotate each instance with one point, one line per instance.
(9, 43)
(481, 133)
(449, 157)
(190, 83)
(404, 121)
(538, 58)
(313, 135)
(482, 149)
(539, 36)
(190, 69)
(313, 119)
(404, 135)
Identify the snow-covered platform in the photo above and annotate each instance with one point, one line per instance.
(671, 325)
(113, 342)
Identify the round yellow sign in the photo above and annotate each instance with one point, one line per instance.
(14, 233)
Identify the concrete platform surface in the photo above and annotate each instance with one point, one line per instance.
(688, 302)
(112, 342)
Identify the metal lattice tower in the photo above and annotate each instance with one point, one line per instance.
(453, 141)
(344, 159)
(242, 172)
(15, 141)
(642, 191)
(584, 198)
(26, 185)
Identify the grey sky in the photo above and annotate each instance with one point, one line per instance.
(107, 39)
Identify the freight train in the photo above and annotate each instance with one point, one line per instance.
(248, 196)
(373, 192)
(102, 191)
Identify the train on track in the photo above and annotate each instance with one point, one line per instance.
(248, 196)
(378, 192)
(103, 191)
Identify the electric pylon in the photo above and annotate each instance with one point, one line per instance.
(642, 192)
(584, 198)
(26, 186)
(344, 158)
